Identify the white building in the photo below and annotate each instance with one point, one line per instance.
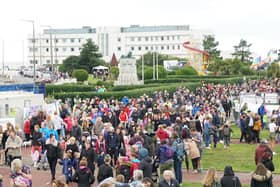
(119, 40)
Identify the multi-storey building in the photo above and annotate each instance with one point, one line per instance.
(136, 39)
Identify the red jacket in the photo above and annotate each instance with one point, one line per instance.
(260, 152)
(69, 123)
(123, 116)
(26, 128)
(162, 134)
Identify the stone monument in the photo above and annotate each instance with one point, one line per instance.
(127, 73)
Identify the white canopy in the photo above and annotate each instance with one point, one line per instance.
(100, 68)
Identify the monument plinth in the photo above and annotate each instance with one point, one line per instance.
(127, 73)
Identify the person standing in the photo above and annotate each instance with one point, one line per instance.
(261, 177)
(52, 154)
(178, 157)
(211, 178)
(105, 171)
(168, 180)
(272, 133)
(13, 146)
(89, 153)
(83, 175)
(229, 179)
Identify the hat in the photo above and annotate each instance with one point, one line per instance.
(264, 141)
(143, 152)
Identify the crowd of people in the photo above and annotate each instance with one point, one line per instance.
(136, 141)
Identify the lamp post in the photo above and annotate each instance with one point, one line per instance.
(33, 41)
(51, 49)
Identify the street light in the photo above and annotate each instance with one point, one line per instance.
(51, 48)
(33, 41)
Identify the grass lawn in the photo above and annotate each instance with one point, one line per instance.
(199, 185)
(92, 80)
(239, 156)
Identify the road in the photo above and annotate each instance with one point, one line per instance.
(15, 77)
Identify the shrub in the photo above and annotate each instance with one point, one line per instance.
(129, 93)
(187, 70)
(148, 72)
(80, 74)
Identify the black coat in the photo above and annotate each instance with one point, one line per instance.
(229, 179)
(36, 138)
(52, 151)
(268, 164)
(90, 154)
(76, 132)
(146, 166)
(173, 183)
(83, 176)
(105, 171)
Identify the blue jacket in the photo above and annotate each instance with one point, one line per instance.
(195, 110)
(207, 127)
(45, 132)
(66, 166)
(54, 132)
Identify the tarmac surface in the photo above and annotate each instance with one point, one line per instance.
(42, 178)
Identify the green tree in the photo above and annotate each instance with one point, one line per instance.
(148, 59)
(274, 70)
(69, 64)
(148, 72)
(242, 51)
(89, 56)
(210, 45)
(114, 72)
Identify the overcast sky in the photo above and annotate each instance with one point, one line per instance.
(257, 21)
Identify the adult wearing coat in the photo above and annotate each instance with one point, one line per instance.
(261, 177)
(229, 179)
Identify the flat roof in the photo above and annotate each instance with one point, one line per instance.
(83, 30)
(137, 28)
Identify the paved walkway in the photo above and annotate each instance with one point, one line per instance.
(42, 178)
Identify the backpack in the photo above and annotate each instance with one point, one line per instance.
(226, 131)
(179, 149)
(169, 152)
(125, 171)
(139, 144)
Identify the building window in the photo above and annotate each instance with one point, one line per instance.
(64, 40)
(173, 47)
(162, 38)
(167, 47)
(178, 47)
(156, 38)
(48, 61)
(47, 49)
(56, 61)
(156, 47)
(47, 41)
(146, 48)
(132, 48)
(80, 49)
(119, 39)
(139, 39)
(56, 49)
(56, 40)
(30, 49)
(64, 49)
(167, 37)
(152, 38)
(162, 47)
(132, 39)
(139, 48)
(173, 37)
(72, 49)
(147, 38)
(119, 48)
(79, 40)
(178, 37)
(152, 48)
(72, 40)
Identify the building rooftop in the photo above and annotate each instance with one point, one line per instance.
(137, 28)
(83, 30)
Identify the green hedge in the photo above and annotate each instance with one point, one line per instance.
(52, 89)
(129, 93)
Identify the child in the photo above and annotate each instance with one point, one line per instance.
(67, 167)
(227, 133)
